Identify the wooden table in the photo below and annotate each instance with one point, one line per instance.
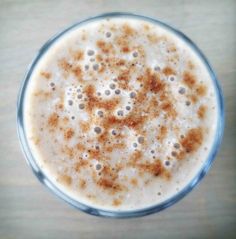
(29, 210)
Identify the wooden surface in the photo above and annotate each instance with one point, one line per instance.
(29, 210)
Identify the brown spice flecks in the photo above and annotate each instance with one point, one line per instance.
(115, 146)
(194, 99)
(168, 71)
(69, 133)
(103, 137)
(156, 85)
(134, 181)
(108, 180)
(156, 168)
(135, 157)
(65, 65)
(65, 179)
(53, 120)
(132, 121)
(107, 183)
(82, 183)
(46, 75)
(99, 58)
(116, 202)
(84, 126)
(151, 82)
(162, 134)
(94, 102)
(122, 42)
(152, 108)
(189, 79)
(80, 164)
(123, 79)
(43, 94)
(65, 120)
(146, 27)
(68, 151)
(181, 155)
(80, 147)
(105, 47)
(201, 90)
(70, 68)
(125, 49)
(168, 107)
(192, 140)
(191, 65)
(172, 48)
(59, 106)
(77, 72)
(78, 55)
(128, 30)
(201, 111)
(153, 38)
(94, 154)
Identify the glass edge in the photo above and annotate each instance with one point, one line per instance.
(108, 213)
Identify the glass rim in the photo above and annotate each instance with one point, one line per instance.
(119, 213)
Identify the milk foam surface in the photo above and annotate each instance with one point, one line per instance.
(120, 114)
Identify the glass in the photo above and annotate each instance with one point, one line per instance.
(108, 213)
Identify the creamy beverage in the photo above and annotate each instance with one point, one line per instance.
(120, 114)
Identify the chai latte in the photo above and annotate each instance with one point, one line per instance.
(120, 114)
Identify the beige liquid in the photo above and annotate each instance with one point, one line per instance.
(120, 114)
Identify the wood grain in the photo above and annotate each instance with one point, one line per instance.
(29, 210)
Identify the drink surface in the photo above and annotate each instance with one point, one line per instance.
(120, 114)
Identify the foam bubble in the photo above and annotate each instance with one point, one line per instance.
(135, 54)
(173, 153)
(107, 92)
(141, 139)
(100, 113)
(128, 107)
(95, 67)
(117, 91)
(98, 166)
(182, 90)
(108, 34)
(176, 145)
(81, 106)
(188, 103)
(80, 96)
(70, 102)
(97, 130)
(112, 86)
(167, 163)
(132, 95)
(157, 68)
(120, 113)
(90, 52)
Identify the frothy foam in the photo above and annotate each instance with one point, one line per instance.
(120, 114)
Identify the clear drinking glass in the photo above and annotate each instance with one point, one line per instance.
(108, 213)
